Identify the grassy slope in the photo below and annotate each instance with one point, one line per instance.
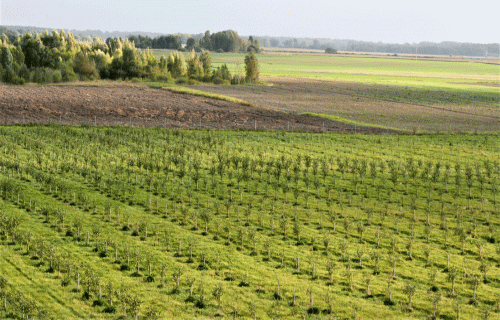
(109, 146)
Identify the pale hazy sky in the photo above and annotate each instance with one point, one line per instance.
(388, 21)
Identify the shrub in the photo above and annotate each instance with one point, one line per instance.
(160, 77)
(221, 72)
(18, 81)
(182, 80)
(110, 309)
(85, 67)
(330, 51)
(193, 82)
(8, 75)
(25, 73)
(238, 79)
(56, 76)
(67, 73)
(217, 81)
(253, 49)
(42, 75)
(206, 78)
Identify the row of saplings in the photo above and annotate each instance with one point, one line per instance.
(474, 281)
(92, 287)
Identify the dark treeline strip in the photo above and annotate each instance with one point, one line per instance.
(444, 48)
(224, 41)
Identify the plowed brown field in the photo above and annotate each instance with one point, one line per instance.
(139, 106)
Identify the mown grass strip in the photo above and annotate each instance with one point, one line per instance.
(349, 121)
(200, 93)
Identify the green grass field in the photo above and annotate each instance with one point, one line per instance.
(376, 70)
(176, 224)
(415, 81)
(462, 95)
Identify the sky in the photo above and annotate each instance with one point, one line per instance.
(374, 20)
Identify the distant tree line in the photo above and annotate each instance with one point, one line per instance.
(228, 41)
(9, 33)
(429, 48)
(58, 56)
(161, 42)
(224, 41)
(199, 41)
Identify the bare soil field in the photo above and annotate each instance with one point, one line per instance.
(360, 102)
(140, 106)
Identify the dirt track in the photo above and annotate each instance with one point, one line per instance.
(140, 106)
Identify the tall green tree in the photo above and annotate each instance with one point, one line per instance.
(191, 44)
(176, 64)
(252, 68)
(195, 66)
(6, 59)
(206, 42)
(206, 61)
(33, 49)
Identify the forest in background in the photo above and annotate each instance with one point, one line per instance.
(430, 48)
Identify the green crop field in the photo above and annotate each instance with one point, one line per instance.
(101, 223)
